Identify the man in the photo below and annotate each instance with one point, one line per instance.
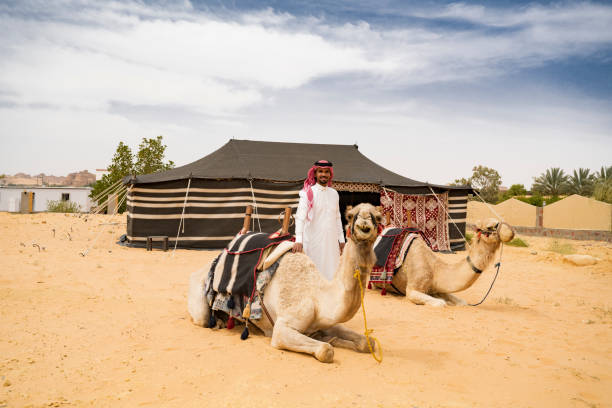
(318, 227)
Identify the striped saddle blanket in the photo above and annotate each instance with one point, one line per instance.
(234, 271)
(391, 248)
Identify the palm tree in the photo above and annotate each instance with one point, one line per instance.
(602, 190)
(604, 174)
(553, 182)
(581, 182)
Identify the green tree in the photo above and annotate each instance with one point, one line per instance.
(483, 179)
(514, 191)
(581, 182)
(603, 191)
(460, 182)
(150, 157)
(604, 174)
(487, 181)
(121, 166)
(602, 187)
(553, 182)
(517, 189)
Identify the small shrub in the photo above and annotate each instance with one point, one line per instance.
(560, 248)
(603, 191)
(533, 200)
(468, 237)
(517, 242)
(538, 200)
(506, 301)
(63, 206)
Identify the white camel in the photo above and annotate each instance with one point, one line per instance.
(426, 279)
(306, 308)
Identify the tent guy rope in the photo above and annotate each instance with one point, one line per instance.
(182, 222)
(86, 251)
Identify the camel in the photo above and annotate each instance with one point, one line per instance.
(426, 279)
(306, 309)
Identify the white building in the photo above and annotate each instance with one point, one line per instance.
(11, 197)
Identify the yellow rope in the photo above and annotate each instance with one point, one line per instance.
(367, 332)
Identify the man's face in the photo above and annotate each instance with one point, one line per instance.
(323, 174)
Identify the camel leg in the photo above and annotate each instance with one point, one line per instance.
(285, 337)
(420, 298)
(452, 299)
(340, 336)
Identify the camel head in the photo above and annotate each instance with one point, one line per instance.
(492, 231)
(363, 221)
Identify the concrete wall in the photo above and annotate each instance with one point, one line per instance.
(10, 197)
(572, 213)
(578, 213)
(513, 211)
(584, 235)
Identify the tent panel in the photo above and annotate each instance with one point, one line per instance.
(457, 207)
(210, 220)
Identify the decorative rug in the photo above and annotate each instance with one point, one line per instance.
(424, 213)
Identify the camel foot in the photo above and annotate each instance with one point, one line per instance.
(340, 336)
(460, 302)
(437, 302)
(325, 353)
(452, 299)
(420, 298)
(362, 345)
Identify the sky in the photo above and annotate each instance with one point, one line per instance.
(428, 89)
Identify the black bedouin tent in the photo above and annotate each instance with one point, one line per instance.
(203, 203)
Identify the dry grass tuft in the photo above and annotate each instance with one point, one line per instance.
(517, 242)
(561, 248)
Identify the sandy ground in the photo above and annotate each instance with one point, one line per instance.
(111, 329)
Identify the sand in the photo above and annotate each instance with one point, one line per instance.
(111, 329)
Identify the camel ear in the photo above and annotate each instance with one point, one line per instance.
(506, 233)
(349, 214)
(378, 214)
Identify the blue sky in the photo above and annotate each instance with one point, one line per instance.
(428, 89)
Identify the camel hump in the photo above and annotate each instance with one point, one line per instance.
(276, 253)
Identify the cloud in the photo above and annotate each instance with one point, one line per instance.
(131, 69)
(192, 60)
(87, 53)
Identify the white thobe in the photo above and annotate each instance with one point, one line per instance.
(321, 234)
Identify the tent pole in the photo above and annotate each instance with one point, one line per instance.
(247, 220)
(286, 220)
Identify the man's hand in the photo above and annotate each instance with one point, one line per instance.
(297, 247)
(341, 244)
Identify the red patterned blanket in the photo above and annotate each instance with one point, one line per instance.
(425, 212)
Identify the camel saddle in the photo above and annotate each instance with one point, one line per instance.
(235, 270)
(391, 248)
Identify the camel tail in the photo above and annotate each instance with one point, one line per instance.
(196, 302)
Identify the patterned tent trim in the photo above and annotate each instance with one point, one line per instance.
(356, 187)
